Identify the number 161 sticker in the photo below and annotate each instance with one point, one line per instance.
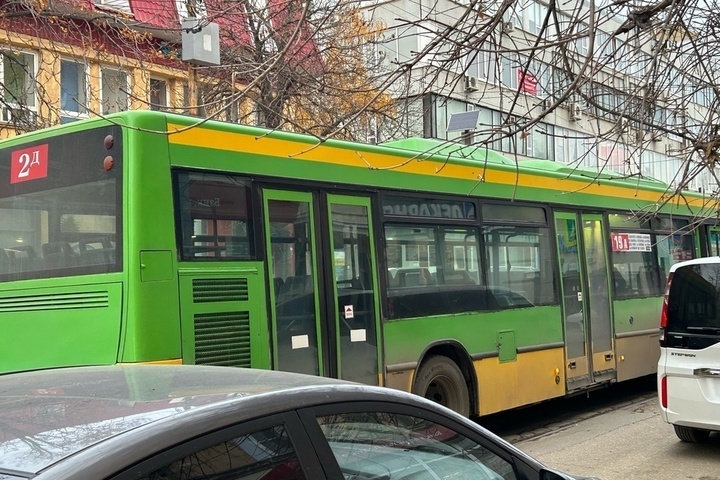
(29, 164)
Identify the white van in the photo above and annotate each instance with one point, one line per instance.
(689, 366)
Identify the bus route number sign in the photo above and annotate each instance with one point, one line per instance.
(29, 164)
(631, 242)
(620, 242)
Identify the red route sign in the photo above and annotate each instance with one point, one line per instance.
(620, 242)
(29, 164)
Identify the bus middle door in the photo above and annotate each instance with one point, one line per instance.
(587, 312)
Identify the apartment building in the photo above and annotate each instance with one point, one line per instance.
(510, 70)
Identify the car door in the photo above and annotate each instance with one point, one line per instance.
(365, 440)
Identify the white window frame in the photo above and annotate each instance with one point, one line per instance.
(165, 94)
(482, 64)
(103, 71)
(83, 113)
(535, 14)
(182, 9)
(119, 5)
(7, 105)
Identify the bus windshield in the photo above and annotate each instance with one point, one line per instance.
(60, 205)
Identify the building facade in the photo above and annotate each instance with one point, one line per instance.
(574, 92)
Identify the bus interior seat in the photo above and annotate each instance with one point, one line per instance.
(458, 277)
(619, 280)
(278, 283)
(415, 277)
(393, 278)
(4, 261)
(97, 251)
(58, 254)
(23, 258)
(295, 301)
(295, 287)
(645, 281)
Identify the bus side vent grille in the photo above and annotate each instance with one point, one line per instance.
(220, 290)
(54, 301)
(223, 339)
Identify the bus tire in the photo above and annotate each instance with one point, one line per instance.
(439, 379)
(692, 435)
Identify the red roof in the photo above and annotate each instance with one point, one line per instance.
(158, 13)
(286, 15)
(231, 17)
(232, 20)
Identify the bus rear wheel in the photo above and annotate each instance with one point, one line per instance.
(439, 379)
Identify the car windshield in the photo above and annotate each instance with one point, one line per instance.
(694, 299)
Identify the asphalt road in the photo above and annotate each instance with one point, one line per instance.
(620, 436)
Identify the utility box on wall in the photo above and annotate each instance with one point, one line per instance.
(200, 42)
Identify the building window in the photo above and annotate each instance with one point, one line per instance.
(17, 71)
(575, 148)
(114, 91)
(510, 65)
(120, 5)
(73, 90)
(535, 14)
(190, 9)
(481, 63)
(158, 94)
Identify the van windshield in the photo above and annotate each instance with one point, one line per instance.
(694, 305)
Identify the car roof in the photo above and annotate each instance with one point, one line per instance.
(48, 415)
(695, 261)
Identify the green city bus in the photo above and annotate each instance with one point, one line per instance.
(452, 272)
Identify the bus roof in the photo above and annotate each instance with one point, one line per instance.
(411, 156)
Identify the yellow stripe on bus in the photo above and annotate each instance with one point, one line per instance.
(229, 141)
(533, 377)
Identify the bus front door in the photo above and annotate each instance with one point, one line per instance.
(295, 303)
(324, 307)
(587, 312)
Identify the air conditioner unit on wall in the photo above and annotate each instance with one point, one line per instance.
(471, 83)
(508, 27)
(576, 111)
